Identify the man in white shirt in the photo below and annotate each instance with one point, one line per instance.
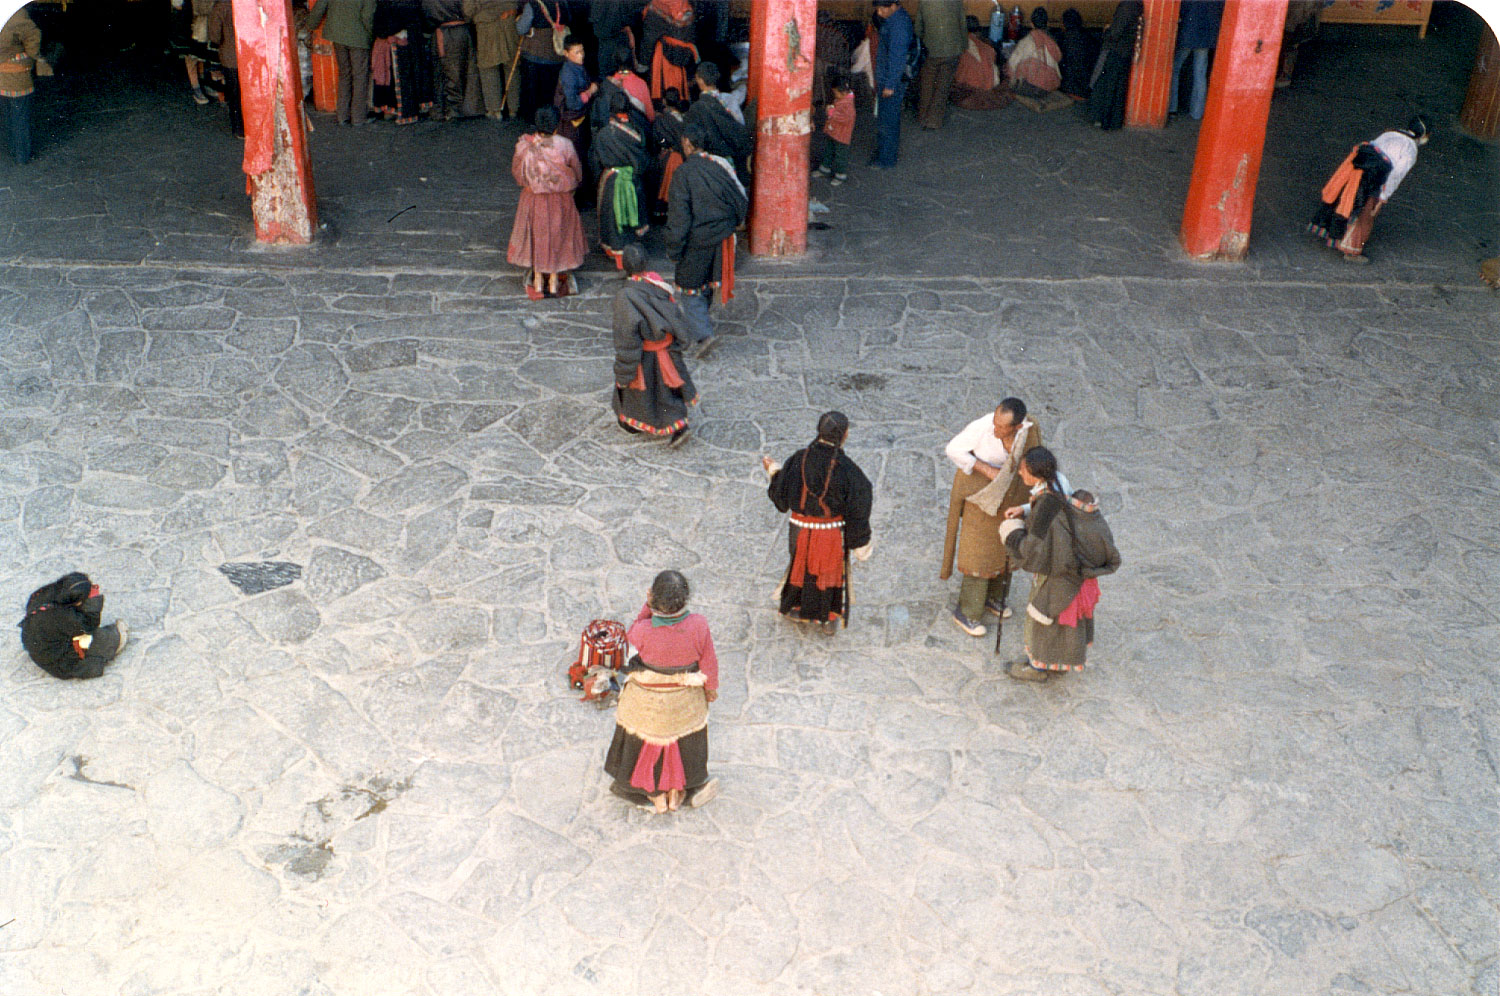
(985, 454)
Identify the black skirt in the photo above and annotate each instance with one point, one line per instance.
(625, 750)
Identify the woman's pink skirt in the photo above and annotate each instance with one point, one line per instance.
(548, 234)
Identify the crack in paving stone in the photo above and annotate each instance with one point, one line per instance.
(79, 761)
(254, 577)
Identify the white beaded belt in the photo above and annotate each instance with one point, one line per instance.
(801, 523)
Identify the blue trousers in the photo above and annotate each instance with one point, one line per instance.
(695, 313)
(888, 127)
(1200, 81)
(17, 112)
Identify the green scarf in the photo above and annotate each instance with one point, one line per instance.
(627, 209)
(657, 620)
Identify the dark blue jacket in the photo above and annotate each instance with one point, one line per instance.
(890, 59)
(1199, 27)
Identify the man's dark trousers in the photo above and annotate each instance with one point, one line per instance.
(18, 126)
(354, 83)
(888, 128)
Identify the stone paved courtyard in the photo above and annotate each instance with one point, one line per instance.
(1277, 776)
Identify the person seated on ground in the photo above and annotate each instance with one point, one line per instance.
(547, 237)
(726, 134)
(1080, 50)
(653, 388)
(620, 160)
(61, 630)
(659, 754)
(1033, 65)
(977, 82)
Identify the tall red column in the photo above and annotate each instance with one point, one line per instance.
(783, 128)
(1481, 113)
(1221, 196)
(277, 166)
(1151, 73)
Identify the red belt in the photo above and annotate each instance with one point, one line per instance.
(669, 374)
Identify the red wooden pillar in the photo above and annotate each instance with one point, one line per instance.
(783, 128)
(1221, 196)
(1151, 72)
(1481, 113)
(277, 166)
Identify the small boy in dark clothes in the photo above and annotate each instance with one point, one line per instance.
(574, 91)
(61, 630)
(839, 131)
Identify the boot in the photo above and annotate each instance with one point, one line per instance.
(1021, 670)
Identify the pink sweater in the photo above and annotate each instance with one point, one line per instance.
(676, 645)
(840, 126)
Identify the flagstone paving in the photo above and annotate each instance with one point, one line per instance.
(357, 519)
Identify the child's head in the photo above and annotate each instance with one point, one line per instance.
(841, 84)
(671, 97)
(708, 76)
(633, 257)
(573, 50)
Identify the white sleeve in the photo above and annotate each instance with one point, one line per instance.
(960, 448)
(1398, 173)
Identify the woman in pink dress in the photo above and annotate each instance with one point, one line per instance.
(547, 237)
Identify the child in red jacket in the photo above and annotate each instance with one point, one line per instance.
(840, 131)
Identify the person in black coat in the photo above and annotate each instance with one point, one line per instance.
(828, 500)
(724, 134)
(61, 629)
(621, 161)
(1107, 100)
(706, 204)
(653, 388)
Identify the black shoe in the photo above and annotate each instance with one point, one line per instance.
(680, 437)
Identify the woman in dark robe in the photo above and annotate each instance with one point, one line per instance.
(620, 159)
(1064, 542)
(653, 388)
(403, 90)
(1107, 101)
(828, 500)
